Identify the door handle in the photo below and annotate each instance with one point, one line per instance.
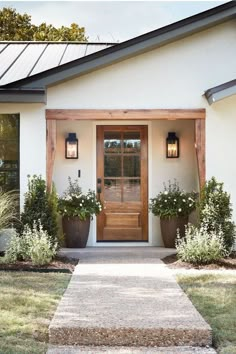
(99, 185)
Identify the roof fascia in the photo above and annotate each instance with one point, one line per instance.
(220, 95)
(22, 96)
(130, 48)
(220, 92)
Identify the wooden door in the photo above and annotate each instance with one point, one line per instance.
(122, 183)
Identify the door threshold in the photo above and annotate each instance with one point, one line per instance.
(122, 243)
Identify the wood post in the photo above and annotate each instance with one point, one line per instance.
(51, 150)
(200, 149)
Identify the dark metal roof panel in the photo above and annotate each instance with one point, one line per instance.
(94, 48)
(24, 64)
(73, 52)
(3, 46)
(50, 58)
(8, 56)
(19, 60)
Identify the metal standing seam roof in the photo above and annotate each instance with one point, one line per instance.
(19, 60)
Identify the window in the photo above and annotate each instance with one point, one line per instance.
(9, 152)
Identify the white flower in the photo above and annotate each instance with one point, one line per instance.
(174, 200)
(165, 201)
(81, 204)
(165, 192)
(184, 200)
(190, 205)
(82, 201)
(180, 210)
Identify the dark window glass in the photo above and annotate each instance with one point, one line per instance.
(132, 166)
(112, 142)
(112, 166)
(132, 142)
(9, 152)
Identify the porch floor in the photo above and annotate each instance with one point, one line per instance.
(125, 297)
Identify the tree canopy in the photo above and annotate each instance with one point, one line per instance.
(18, 27)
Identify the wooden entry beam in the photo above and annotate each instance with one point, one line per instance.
(200, 149)
(126, 114)
(51, 150)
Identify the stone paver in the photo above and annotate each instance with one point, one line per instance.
(126, 297)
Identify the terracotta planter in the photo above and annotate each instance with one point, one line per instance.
(169, 228)
(76, 231)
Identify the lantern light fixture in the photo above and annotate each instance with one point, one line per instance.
(172, 145)
(71, 146)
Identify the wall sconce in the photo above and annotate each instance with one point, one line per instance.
(71, 146)
(172, 145)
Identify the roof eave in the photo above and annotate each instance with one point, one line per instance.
(22, 96)
(220, 92)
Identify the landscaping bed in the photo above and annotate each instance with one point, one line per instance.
(225, 263)
(58, 264)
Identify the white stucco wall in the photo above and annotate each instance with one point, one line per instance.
(173, 76)
(221, 151)
(32, 141)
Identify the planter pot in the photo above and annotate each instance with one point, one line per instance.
(169, 228)
(76, 231)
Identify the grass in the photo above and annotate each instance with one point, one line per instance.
(215, 298)
(27, 303)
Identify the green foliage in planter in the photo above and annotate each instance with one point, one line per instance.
(173, 201)
(40, 205)
(216, 212)
(75, 203)
(200, 246)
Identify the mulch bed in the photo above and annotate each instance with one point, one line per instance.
(224, 263)
(59, 265)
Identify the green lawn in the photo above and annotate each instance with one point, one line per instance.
(27, 303)
(215, 298)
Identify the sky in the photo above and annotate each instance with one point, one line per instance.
(110, 21)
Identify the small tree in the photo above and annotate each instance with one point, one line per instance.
(40, 205)
(215, 210)
(18, 27)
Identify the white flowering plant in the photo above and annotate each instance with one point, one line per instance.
(173, 201)
(75, 203)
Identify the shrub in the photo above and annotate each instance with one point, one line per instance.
(40, 205)
(216, 212)
(173, 201)
(200, 246)
(9, 203)
(34, 244)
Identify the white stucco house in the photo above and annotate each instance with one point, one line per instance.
(121, 101)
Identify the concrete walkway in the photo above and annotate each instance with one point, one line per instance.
(126, 297)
